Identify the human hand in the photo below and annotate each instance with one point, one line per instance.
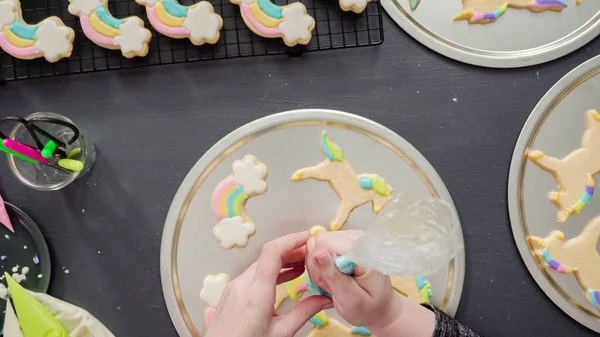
(366, 298)
(246, 306)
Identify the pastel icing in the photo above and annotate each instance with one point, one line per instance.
(24, 41)
(332, 151)
(213, 288)
(344, 265)
(198, 22)
(424, 289)
(414, 3)
(361, 331)
(555, 265)
(103, 29)
(373, 182)
(585, 197)
(291, 22)
(320, 319)
(296, 288)
(175, 9)
(549, 3)
(594, 296)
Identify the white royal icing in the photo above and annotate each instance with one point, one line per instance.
(250, 174)
(3, 291)
(7, 13)
(357, 5)
(234, 232)
(202, 23)
(86, 7)
(134, 37)
(247, 2)
(213, 288)
(53, 40)
(150, 3)
(297, 25)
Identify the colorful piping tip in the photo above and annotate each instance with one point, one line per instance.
(35, 320)
(4, 218)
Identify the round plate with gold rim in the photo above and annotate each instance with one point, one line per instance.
(542, 37)
(556, 128)
(286, 142)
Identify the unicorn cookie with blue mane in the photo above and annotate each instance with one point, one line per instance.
(353, 190)
(199, 23)
(574, 173)
(488, 11)
(577, 256)
(106, 31)
(49, 39)
(291, 22)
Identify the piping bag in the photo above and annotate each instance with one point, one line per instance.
(410, 237)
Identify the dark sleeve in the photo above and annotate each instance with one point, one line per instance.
(448, 327)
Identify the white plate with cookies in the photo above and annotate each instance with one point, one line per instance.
(247, 190)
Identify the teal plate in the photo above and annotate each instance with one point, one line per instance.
(28, 235)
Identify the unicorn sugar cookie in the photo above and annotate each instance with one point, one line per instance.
(574, 172)
(106, 31)
(577, 256)
(488, 11)
(352, 190)
(290, 22)
(49, 39)
(197, 22)
(229, 198)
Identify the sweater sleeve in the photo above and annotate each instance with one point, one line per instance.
(448, 327)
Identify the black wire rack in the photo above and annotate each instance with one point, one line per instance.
(334, 29)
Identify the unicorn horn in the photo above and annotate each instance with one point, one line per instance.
(464, 15)
(4, 218)
(35, 320)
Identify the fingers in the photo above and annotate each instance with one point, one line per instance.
(293, 320)
(290, 274)
(338, 243)
(273, 253)
(297, 255)
(336, 282)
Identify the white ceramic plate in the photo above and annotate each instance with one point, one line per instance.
(555, 127)
(285, 142)
(519, 38)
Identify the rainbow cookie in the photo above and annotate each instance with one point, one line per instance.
(291, 22)
(574, 172)
(103, 29)
(229, 198)
(488, 11)
(577, 256)
(49, 39)
(327, 327)
(197, 22)
(352, 190)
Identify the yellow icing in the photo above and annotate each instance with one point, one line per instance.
(166, 18)
(263, 18)
(15, 40)
(316, 230)
(102, 28)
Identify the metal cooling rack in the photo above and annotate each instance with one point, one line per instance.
(334, 29)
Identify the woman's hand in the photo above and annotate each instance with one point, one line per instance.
(246, 306)
(366, 298)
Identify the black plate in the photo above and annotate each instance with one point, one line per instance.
(26, 234)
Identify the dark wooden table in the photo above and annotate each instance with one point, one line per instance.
(151, 125)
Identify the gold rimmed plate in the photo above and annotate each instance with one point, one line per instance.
(556, 127)
(518, 38)
(285, 142)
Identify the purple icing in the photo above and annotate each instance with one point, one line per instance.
(489, 16)
(36, 260)
(551, 3)
(597, 296)
(3, 257)
(589, 190)
(553, 264)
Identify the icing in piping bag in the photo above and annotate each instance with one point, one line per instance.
(4, 218)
